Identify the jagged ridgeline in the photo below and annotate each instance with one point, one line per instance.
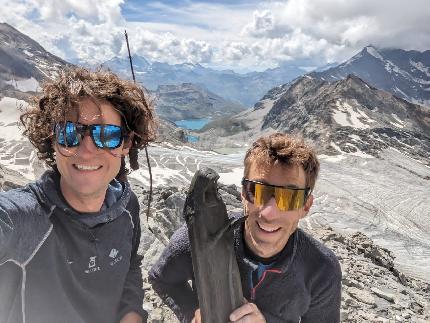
(344, 116)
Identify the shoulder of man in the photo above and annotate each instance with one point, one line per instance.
(317, 258)
(24, 223)
(24, 202)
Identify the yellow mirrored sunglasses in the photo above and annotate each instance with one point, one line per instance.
(286, 198)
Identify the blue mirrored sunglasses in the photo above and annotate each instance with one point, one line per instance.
(70, 134)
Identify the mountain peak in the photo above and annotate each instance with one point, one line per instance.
(405, 74)
(23, 58)
(371, 50)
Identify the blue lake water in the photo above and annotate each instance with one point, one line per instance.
(192, 124)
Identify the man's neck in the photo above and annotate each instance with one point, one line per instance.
(83, 203)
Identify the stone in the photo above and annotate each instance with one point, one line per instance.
(362, 296)
(385, 295)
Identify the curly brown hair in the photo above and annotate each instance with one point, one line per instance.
(62, 95)
(287, 150)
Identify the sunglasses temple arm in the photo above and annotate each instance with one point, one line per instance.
(308, 193)
(231, 224)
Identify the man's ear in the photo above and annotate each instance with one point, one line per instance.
(128, 142)
(308, 205)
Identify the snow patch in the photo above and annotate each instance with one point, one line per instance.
(355, 137)
(348, 116)
(233, 177)
(332, 159)
(399, 123)
(358, 153)
(372, 51)
(9, 118)
(161, 176)
(397, 90)
(421, 67)
(26, 85)
(336, 147)
(26, 52)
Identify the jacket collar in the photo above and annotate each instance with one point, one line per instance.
(50, 196)
(282, 263)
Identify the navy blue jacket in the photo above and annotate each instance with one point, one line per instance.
(57, 265)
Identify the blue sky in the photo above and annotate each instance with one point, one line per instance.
(239, 35)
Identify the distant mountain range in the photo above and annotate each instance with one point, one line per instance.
(245, 89)
(405, 74)
(189, 101)
(345, 116)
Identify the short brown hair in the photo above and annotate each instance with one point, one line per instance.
(61, 95)
(287, 150)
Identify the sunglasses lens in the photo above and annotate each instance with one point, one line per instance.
(263, 194)
(249, 191)
(287, 199)
(107, 136)
(66, 134)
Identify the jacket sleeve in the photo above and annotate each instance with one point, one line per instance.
(325, 303)
(171, 274)
(132, 295)
(8, 229)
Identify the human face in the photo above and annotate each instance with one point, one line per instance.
(267, 228)
(86, 173)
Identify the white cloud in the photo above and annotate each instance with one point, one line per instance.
(336, 29)
(100, 11)
(240, 36)
(166, 47)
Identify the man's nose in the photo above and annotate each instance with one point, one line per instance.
(87, 145)
(269, 210)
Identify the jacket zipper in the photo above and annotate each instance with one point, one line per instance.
(253, 290)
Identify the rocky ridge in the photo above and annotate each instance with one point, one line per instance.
(405, 74)
(345, 116)
(23, 63)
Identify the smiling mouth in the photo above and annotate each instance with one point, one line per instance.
(267, 229)
(86, 167)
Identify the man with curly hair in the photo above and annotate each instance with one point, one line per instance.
(69, 241)
(287, 276)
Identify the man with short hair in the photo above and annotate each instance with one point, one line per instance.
(69, 241)
(287, 276)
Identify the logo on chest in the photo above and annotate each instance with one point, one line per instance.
(115, 256)
(92, 265)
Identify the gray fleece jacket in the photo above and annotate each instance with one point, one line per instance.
(303, 283)
(58, 265)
